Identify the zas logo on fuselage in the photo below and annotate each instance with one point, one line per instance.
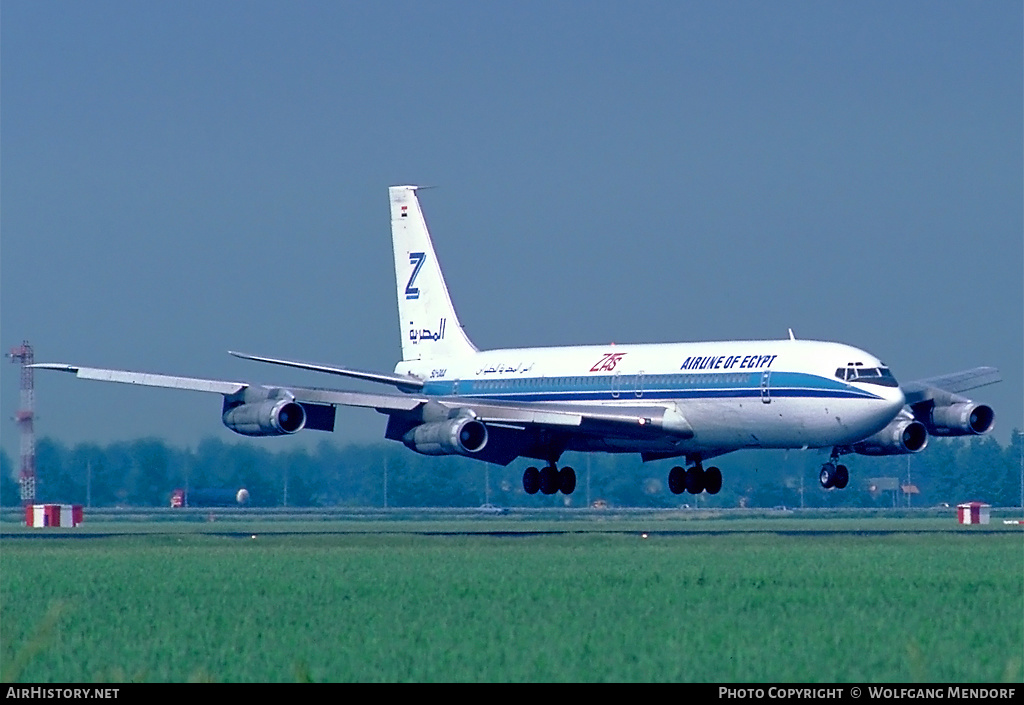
(607, 362)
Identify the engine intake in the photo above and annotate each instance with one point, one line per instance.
(901, 436)
(459, 436)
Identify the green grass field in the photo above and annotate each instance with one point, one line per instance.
(714, 601)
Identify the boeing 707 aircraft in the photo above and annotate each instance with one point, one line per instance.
(692, 401)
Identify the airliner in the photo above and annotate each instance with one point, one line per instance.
(688, 401)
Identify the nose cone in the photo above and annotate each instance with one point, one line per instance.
(895, 396)
(893, 401)
(879, 411)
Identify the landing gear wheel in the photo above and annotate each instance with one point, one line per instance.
(549, 480)
(827, 476)
(677, 480)
(567, 480)
(712, 480)
(842, 477)
(695, 480)
(531, 480)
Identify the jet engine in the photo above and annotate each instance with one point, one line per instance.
(263, 412)
(959, 419)
(903, 435)
(459, 436)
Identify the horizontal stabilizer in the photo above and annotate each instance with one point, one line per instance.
(402, 381)
(922, 389)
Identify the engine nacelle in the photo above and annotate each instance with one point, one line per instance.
(960, 419)
(459, 436)
(274, 417)
(902, 435)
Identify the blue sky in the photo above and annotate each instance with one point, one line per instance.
(182, 178)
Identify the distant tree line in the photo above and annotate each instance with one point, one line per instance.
(145, 472)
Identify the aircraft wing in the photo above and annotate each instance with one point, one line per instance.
(145, 379)
(493, 412)
(927, 389)
(385, 402)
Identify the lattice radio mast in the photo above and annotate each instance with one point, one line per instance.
(24, 418)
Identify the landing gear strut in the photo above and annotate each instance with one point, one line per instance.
(549, 480)
(695, 480)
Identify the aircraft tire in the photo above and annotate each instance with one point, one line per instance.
(549, 480)
(677, 480)
(531, 480)
(695, 480)
(827, 476)
(842, 477)
(567, 480)
(712, 480)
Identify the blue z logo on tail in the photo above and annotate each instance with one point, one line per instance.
(416, 259)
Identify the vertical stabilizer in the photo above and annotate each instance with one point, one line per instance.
(427, 321)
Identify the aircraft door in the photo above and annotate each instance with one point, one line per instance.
(766, 395)
(615, 385)
(639, 389)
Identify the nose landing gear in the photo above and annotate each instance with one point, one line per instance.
(833, 475)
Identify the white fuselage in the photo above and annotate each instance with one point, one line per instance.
(735, 394)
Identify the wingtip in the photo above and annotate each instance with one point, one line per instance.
(59, 366)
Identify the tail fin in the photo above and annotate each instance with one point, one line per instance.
(427, 321)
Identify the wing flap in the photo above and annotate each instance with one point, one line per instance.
(629, 419)
(381, 402)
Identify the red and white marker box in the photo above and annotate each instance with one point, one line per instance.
(39, 515)
(973, 512)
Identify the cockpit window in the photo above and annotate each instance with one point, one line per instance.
(870, 375)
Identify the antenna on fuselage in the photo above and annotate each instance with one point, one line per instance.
(791, 336)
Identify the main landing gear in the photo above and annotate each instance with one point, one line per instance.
(833, 475)
(695, 480)
(549, 480)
